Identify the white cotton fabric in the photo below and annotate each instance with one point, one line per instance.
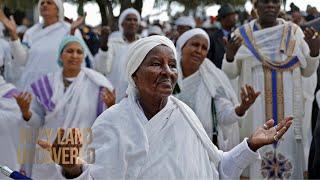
(154, 30)
(170, 145)
(35, 54)
(211, 83)
(186, 21)
(11, 123)
(59, 4)
(124, 14)
(10, 128)
(74, 108)
(250, 71)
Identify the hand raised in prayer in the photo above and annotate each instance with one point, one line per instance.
(69, 147)
(248, 97)
(23, 100)
(268, 133)
(10, 24)
(108, 97)
(77, 23)
(105, 32)
(312, 37)
(232, 47)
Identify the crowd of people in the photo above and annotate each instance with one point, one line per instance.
(189, 101)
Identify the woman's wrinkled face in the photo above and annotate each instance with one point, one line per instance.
(195, 50)
(157, 75)
(48, 9)
(72, 56)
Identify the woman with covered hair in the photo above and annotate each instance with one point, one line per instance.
(70, 98)
(207, 90)
(38, 50)
(152, 135)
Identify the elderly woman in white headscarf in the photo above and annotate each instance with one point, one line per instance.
(70, 98)
(38, 49)
(207, 90)
(152, 135)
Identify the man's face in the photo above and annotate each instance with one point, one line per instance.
(268, 10)
(130, 24)
(230, 20)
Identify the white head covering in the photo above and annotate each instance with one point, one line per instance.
(213, 77)
(186, 21)
(138, 51)
(156, 30)
(124, 14)
(59, 4)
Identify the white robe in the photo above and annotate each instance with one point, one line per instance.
(171, 145)
(11, 124)
(250, 71)
(197, 92)
(52, 108)
(38, 52)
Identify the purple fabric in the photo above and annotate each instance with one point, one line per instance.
(43, 91)
(10, 93)
(101, 106)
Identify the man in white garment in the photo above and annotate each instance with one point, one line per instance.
(152, 135)
(273, 55)
(108, 60)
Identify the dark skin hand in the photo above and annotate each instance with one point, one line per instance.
(105, 32)
(74, 167)
(232, 47)
(109, 97)
(268, 133)
(313, 40)
(248, 97)
(23, 100)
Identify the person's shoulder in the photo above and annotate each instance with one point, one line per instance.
(115, 116)
(33, 29)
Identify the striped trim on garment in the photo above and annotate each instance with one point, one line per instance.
(43, 91)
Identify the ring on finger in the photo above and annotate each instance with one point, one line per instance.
(265, 127)
(275, 138)
(315, 35)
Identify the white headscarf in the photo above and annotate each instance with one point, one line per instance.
(212, 76)
(155, 30)
(124, 14)
(59, 4)
(138, 51)
(186, 21)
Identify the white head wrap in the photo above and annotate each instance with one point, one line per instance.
(124, 14)
(155, 30)
(186, 21)
(59, 4)
(138, 51)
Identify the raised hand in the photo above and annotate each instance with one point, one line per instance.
(69, 158)
(248, 97)
(10, 24)
(268, 133)
(312, 37)
(108, 97)
(105, 32)
(232, 47)
(23, 100)
(77, 23)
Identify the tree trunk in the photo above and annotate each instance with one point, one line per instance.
(102, 6)
(80, 7)
(111, 18)
(138, 5)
